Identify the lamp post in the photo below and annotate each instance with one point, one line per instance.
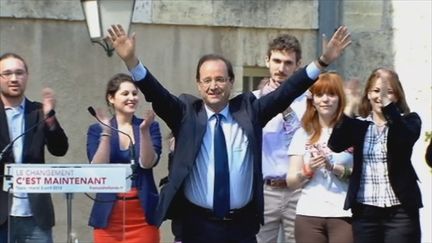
(101, 14)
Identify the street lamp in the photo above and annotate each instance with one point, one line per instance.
(101, 14)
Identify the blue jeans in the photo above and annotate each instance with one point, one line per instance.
(25, 229)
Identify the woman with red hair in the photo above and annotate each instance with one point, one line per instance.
(323, 174)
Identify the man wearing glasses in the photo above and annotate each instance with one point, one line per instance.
(215, 185)
(30, 217)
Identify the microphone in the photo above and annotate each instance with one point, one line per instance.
(8, 147)
(92, 112)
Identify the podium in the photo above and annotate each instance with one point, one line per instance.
(67, 178)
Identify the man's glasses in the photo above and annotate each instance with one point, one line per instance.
(18, 73)
(218, 80)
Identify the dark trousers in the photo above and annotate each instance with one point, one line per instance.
(177, 229)
(24, 229)
(389, 225)
(4, 232)
(323, 229)
(200, 225)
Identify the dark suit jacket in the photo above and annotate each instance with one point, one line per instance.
(187, 119)
(33, 152)
(144, 181)
(402, 134)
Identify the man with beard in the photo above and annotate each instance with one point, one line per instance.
(30, 217)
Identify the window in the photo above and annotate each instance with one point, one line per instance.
(252, 77)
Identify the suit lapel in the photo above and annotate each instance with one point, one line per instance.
(200, 129)
(4, 131)
(136, 133)
(115, 141)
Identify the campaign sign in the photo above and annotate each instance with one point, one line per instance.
(67, 178)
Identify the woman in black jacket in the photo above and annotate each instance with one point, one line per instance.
(383, 192)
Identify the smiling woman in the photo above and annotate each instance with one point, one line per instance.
(383, 192)
(138, 140)
(322, 173)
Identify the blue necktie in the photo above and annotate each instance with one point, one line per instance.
(221, 196)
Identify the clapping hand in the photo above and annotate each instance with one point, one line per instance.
(48, 104)
(101, 115)
(48, 100)
(317, 161)
(384, 86)
(148, 117)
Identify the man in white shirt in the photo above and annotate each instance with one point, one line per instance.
(283, 58)
(28, 217)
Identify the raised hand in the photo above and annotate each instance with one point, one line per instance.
(101, 115)
(334, 48)
(48, 100)
(148, 117)
(124, 45)
(384, 85)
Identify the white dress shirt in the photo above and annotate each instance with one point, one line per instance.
(200, 183)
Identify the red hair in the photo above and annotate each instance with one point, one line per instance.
(327, 83)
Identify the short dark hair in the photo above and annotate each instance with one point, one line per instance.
(16, 56)
(215, 57)
(285, 42)
(113, 84)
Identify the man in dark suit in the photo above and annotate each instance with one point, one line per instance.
(215, 185)
(29, 217)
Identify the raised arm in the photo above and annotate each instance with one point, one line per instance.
(334, 48)
(270, 105)
(124, 45)
(167, 106)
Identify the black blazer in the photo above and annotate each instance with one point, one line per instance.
(404, 130)
(186, 117)
(33, 152)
